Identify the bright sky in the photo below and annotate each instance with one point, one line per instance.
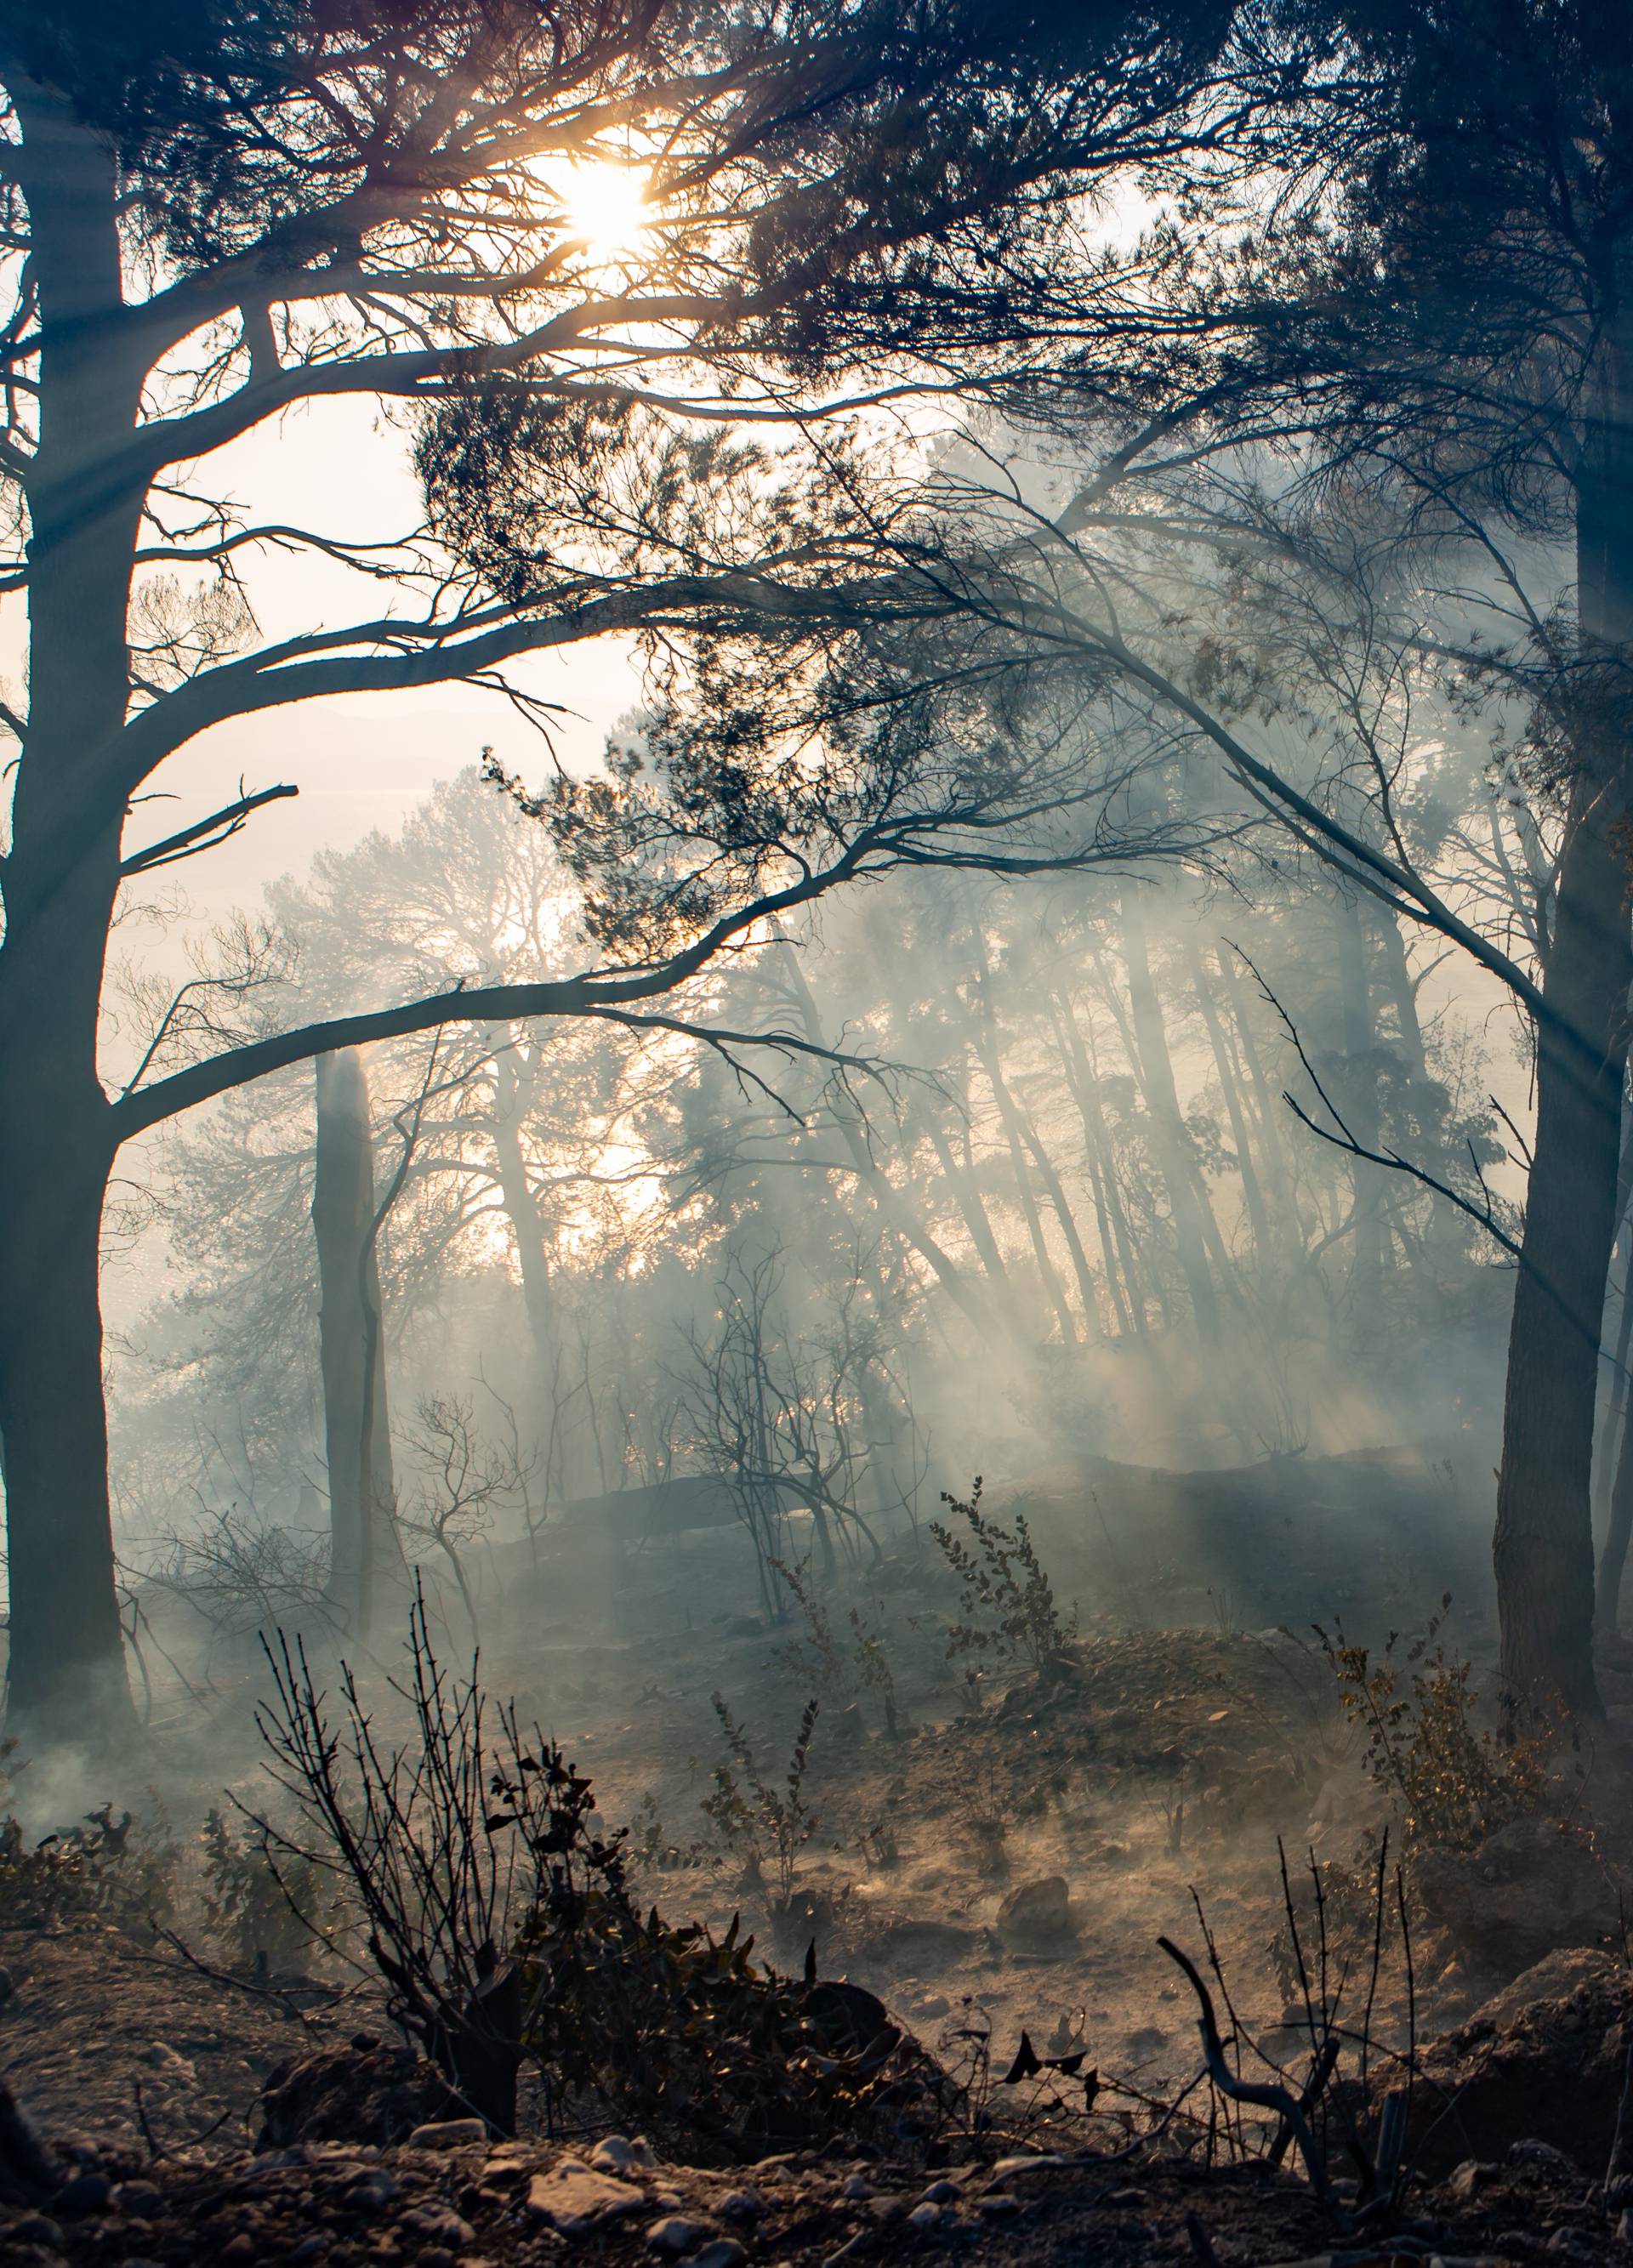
(358, 763)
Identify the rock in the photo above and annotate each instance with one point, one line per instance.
(439, 2224)
(1529, 1889)
(856, 2186)
(912, 1942)
(724, 2252)
(38, 2229)
(997, 2203)
(165, 2060)
(930, 2010)
(1551, 1979)
(83, 2194)
(942, 2193)
(675, 2235)
(614, 2154)
(1464, 2185)
(138, 2198)
(1552, 2076)
(1006, 2168)
(448, 2134)
(373, 2093)
(573, 2199)
(1038, 1911)
(740, 2205)
(371, 2195)
(926, 2216)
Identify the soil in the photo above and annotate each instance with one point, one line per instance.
(999, 1868)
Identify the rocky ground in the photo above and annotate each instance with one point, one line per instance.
(995, 1859)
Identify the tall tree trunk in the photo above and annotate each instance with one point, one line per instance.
(1010, 1118)
(1360, 1109)
(1117, 1248)
(1186, 1202)
(527, 1223)
(1278, 1177)
(364, 1550)
(1252, 1195)
(66, 1679)
(1543, 1546)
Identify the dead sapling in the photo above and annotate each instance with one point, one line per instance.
(1007, 1602)
(874, 1673)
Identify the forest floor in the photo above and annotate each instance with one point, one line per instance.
(1001, 1866)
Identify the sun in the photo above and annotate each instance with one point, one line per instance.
(606, 205)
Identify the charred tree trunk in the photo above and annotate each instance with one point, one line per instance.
(364, 1550)
(66, 1678)
(1543, 1546)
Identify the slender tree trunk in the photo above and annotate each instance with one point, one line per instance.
(1360, 1109)
(364, 1550)
(1055, 1190)
(1618, 1530)
(1180, 1170)
(1252, 1195)
(1278, 1176)
(66, 1679)
(1116, 1242)
(527, 1223)
(1543, 1546)
(1010, 1118)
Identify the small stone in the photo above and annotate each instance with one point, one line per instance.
(997, 2203)
(439, 2224)
(140, 2198)
(1007, 2168)
(1462, 2186)
(1038, 1910)
(308, 2248)
(1531, 2152)
(724, 2252)
(85, 2193)
(740, 2205)
(1125, 2198)
(372, 2194)
(616, 2154)
(674, 2235)
(449, 2134)
(926, 2216)
(574, 2200)
(856, 2186)
(240, 2247)
(928, 2011)
(941, 2193)
(438, 2256)
(38, 2229)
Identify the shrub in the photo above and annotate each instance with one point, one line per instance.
(1007, 1603)
(500, 1915)
(1449, 1783)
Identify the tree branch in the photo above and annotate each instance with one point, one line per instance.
(204, 834)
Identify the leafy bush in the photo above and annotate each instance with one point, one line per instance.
(122, 1869)
(1007, 1603)
(1450, 1784)
(261, 1909)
